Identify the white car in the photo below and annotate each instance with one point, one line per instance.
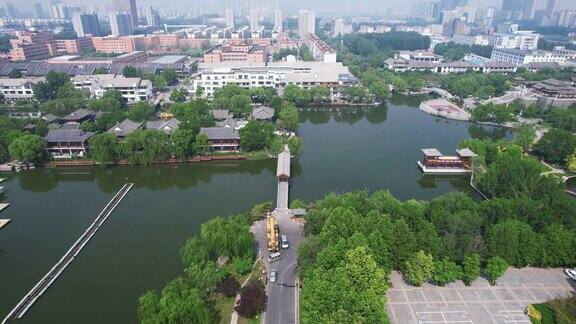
(273, 275)
(571, 273)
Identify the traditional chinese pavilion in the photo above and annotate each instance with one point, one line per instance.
(436, 162)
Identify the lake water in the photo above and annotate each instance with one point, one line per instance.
(138, 246)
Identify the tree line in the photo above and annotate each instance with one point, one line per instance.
(192, 296)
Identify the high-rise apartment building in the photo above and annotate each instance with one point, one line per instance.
(128, 6)
(550, 7)
(10, 10)
(452, 4)
(306, 23)
(152, 17)
(517, 9)
(64, 10)
(120, 23)
(229, 17)
(254, 23)
(278, 18)
(86, 24)
(38, 11)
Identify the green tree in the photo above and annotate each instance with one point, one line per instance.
(515, 242)
(104, 148)
(240, 105)
(296, 95)
(67, 91)
(256, 135)
(470, 268)
(140, 112)
(319, 94)
(100, 70)
(15, 74)
(27, 148)
(169, 76)
(47, 90)
(202, 144)
(305, 53)
(556, 145)
(289, 118)
(158, 82)
(146, 146)
(512, 174)
(178, 303)
(571, 162)
(495, 268)
(178, 95)
(525, 137)
(129, 71)
(558, 246)
(380, 90)
(182, 142)
(445, 272)
(363, 281)
(419, 268)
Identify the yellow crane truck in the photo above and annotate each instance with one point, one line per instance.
(272, 231)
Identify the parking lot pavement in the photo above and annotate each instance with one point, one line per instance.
(478, 303)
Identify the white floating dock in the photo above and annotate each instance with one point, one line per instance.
(3, 222)
(3, 206)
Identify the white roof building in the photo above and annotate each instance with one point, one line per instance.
(132, 89)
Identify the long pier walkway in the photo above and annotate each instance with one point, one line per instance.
(283, 175)
(74, 250)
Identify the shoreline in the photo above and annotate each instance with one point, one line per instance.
(92, 163)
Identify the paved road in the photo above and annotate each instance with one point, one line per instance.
(479, 303)
(281, 306)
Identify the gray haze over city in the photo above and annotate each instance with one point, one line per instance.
(323, 7)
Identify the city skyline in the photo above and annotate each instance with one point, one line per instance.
(322, 7)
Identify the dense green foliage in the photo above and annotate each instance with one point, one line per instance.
(558, 311)
(104, 148)
(283, 52)
(5, 43)
(454, 52)
(27, 148)
(495, 268)
(359, 276)
(234, 98)
(302, 96)
(556, 145)
(475, 84)
(256, 136)
(470, 268)
(140, 112)
(288, 117)
(419, 268)
(493, 113)
(366, 44)
(445, 272)
(48, 89)
(190, 297)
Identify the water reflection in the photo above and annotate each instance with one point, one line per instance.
(157, 177)
(477, 131)
(431, 181)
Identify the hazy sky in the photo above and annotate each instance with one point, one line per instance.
(323, 7)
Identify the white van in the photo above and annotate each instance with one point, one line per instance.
(285, 243)
(274, 257)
